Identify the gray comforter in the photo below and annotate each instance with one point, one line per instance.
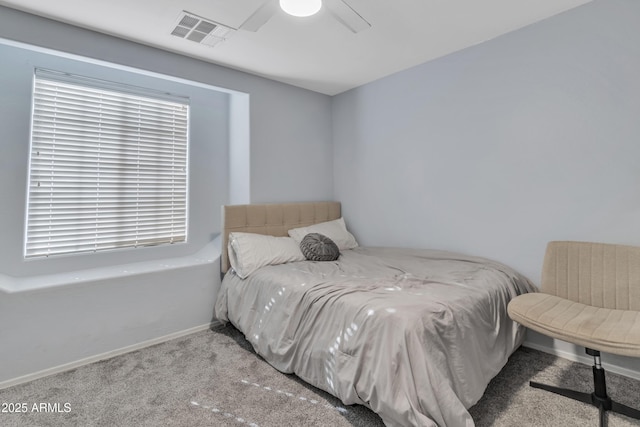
(416, 335)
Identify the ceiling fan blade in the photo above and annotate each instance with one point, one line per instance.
(347, 16)
(260, 16)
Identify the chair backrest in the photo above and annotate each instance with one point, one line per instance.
(597, 274)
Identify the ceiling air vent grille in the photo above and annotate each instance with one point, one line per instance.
(192, 27)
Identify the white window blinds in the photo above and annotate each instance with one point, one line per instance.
(108, 168)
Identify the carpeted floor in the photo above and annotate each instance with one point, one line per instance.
(213, 378)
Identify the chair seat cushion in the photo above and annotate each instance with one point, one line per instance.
(607, 330)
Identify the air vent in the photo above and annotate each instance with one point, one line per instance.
(192, 27)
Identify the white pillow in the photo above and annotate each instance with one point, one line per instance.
(336, 230)
(249, 251)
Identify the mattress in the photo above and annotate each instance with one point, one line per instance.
(415, 335)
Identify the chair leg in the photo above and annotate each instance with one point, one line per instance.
(598, 398)
(625, 410)
(571, 394)
(603, 416)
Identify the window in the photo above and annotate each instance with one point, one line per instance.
(108, 167)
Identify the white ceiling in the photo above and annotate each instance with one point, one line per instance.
(315, 53)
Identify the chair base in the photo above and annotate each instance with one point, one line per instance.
(598, 398)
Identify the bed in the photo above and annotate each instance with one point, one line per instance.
(415, 335)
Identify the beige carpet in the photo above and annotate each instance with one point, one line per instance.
(213, 378)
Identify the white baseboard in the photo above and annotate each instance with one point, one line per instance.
(103, 356)
(616, 369)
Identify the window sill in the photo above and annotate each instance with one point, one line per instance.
(207, 255)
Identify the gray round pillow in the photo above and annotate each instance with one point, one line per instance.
(318, 247)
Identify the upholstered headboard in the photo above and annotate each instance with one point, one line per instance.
(272, 219)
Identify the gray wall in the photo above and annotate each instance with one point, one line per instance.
(499, 148)
(59, 311)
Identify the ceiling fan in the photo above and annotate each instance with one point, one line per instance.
(339, 9)
(208, 32)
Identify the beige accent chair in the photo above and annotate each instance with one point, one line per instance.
(590, 296)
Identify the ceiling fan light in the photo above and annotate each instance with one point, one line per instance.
(301, 8)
